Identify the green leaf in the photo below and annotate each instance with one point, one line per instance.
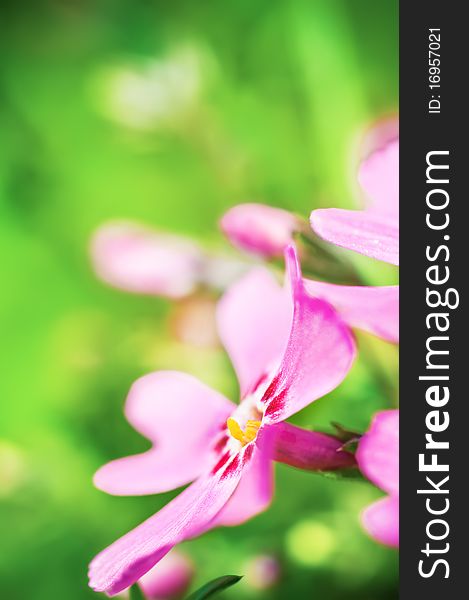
(136, 593)
(214, 586)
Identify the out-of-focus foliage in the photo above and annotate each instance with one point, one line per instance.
(169, 113)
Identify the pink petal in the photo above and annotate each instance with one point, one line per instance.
(318, 356)
(378, 451)
(254, 319)
(374, 309)
(309, 450)
(137, 259)
(378, 134)
(381, 520)
(130, 557)
(170, 578)
(364, 231)
(259, 229)
(255, 490)
(379, 177)
(182, 417)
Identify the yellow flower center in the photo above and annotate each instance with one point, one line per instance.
(248, 435)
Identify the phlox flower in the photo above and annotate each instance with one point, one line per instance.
(138, 259)
(373, 232)
(378, 458)
(288, 349)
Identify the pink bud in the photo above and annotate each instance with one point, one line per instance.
(137, 259)
(259, 229)
(169, 578)
(310, 450)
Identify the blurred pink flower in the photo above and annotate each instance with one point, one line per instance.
(373, 232)
(285, 357)
(262, 571)
(378, 459)
(259, 229)
(169, 579)
(137, 259)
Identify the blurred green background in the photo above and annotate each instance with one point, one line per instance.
(169, 113)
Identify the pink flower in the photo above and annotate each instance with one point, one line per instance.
(378, 459)
(134, 258)
(285, 358)
(170, 578)
(259, 229)
(138, 259)
(373, 232)
(262, 571)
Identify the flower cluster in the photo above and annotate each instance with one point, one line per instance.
(289, 346)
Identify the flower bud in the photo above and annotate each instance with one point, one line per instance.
(169, 578)
(259, 229)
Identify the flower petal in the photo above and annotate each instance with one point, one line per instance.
(379, 177)
(378, 451)
(255, 490)
(137, 259)
(381, 520)
(363, 231)
(182, 417)
(130, 557)
(318, 356)
(254, 319)
(374, 309)
(259, 229)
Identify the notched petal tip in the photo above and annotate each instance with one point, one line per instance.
(315, 219)
(181, 417)
(189, 514)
